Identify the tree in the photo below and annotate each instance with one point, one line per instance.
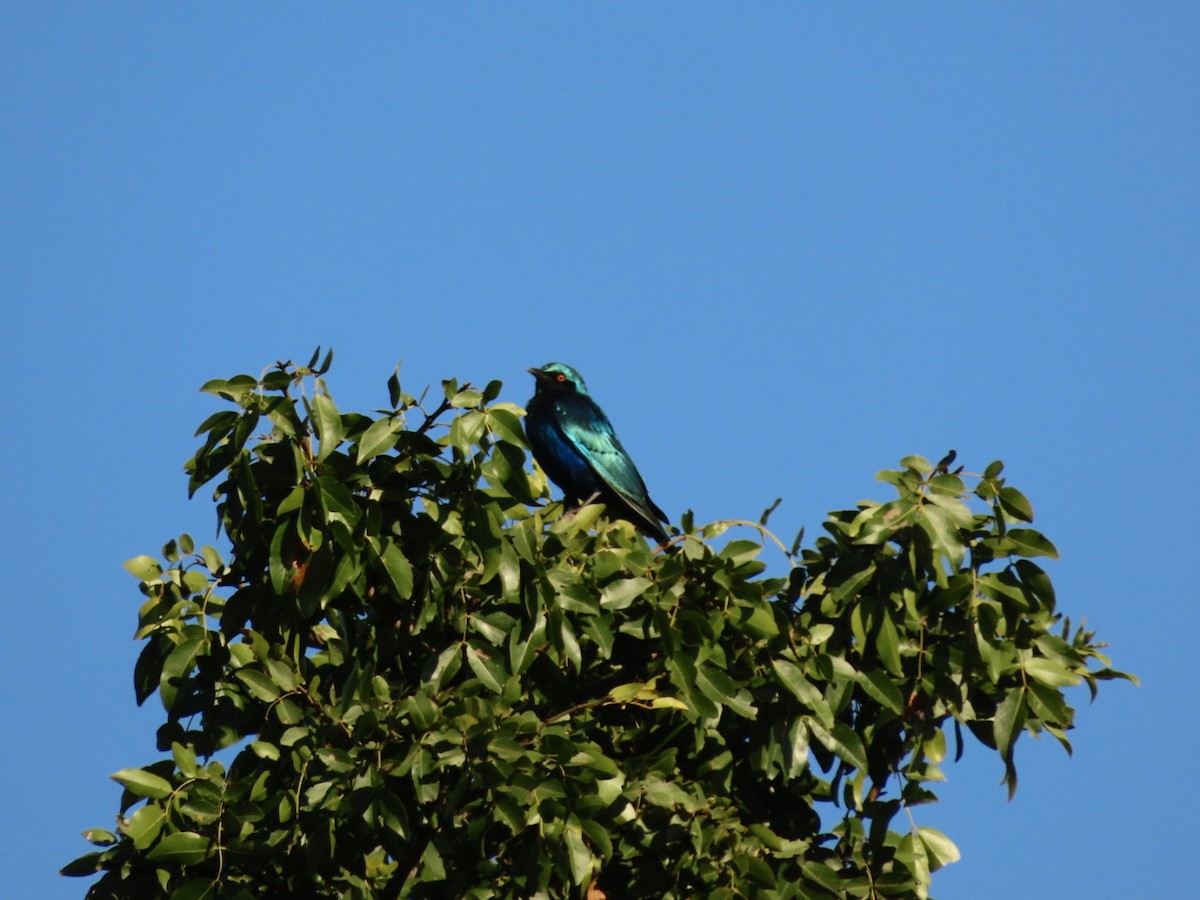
(427, 682)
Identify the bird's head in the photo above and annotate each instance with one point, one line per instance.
(558, 377)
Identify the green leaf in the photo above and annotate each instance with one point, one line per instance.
(277, 568)
(1016, 504)
(282, 674)
(467, 430)
(626, 693)
(796, 748)
(578, 855)
(185, 759)
(233, 389)
(101, 837)
(185, 848)
(803, 690)
(380, 688)
(145, 825)
(819, 634)
(212, 559)
(393, 385)
(329, 425)
(572, 594)
(179, 664)
(287, 712)
(670, 703)
(145, 568)
(445, 666)
(608, 790)
(881, 688)
(659, 792)
(466, 399)
(719, 688)
(920, 463)
(509, 570)
(506, 424)
(597, 835)
(823, 876)
(934, 747)
(911, 851)
(943, 534)
(599, 630)
(487, 668)
(399, 570)
(379, 438)
(1008, 721)
(887, 644)
(293, 736)
(741, 551)
(86, 865)
(1036, 580)
(849, 588)
(221, 423)
(841, 741)
(1050, 673)
(264, 750)
(683, 675)
(756, 621)
(570, 644)
(141, 783)
(620, 594)
(259, 684)
(940, 849)
(1028, 542)
(1048, 705)
(315, 795)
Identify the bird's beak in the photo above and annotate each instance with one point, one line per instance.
(536, 373)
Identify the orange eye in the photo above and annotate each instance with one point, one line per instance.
(560, 377)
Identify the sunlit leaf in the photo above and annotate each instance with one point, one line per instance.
(487, 668)
(181, 848)
(1050, 673)
(1031, 543)
(143, 783)
(329, 424)
(940, 849)
(379, 438)
(143, 567)
(1009, 718)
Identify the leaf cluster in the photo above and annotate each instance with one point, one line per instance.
(430, 683)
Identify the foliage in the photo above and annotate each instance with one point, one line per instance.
(430, 686)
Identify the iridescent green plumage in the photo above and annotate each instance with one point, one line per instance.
(574, 443)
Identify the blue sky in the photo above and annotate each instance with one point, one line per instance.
(786, 244)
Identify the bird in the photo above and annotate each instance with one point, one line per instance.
(575, 444)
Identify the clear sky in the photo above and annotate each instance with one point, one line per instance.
(785, 243)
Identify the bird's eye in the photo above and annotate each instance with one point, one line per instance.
(560, 377)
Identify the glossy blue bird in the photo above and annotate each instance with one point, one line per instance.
(574, 443)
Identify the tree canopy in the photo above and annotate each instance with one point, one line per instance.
(410, 675)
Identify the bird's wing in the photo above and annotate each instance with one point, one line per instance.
(586, 426)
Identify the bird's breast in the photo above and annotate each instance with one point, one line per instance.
(558, 456)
